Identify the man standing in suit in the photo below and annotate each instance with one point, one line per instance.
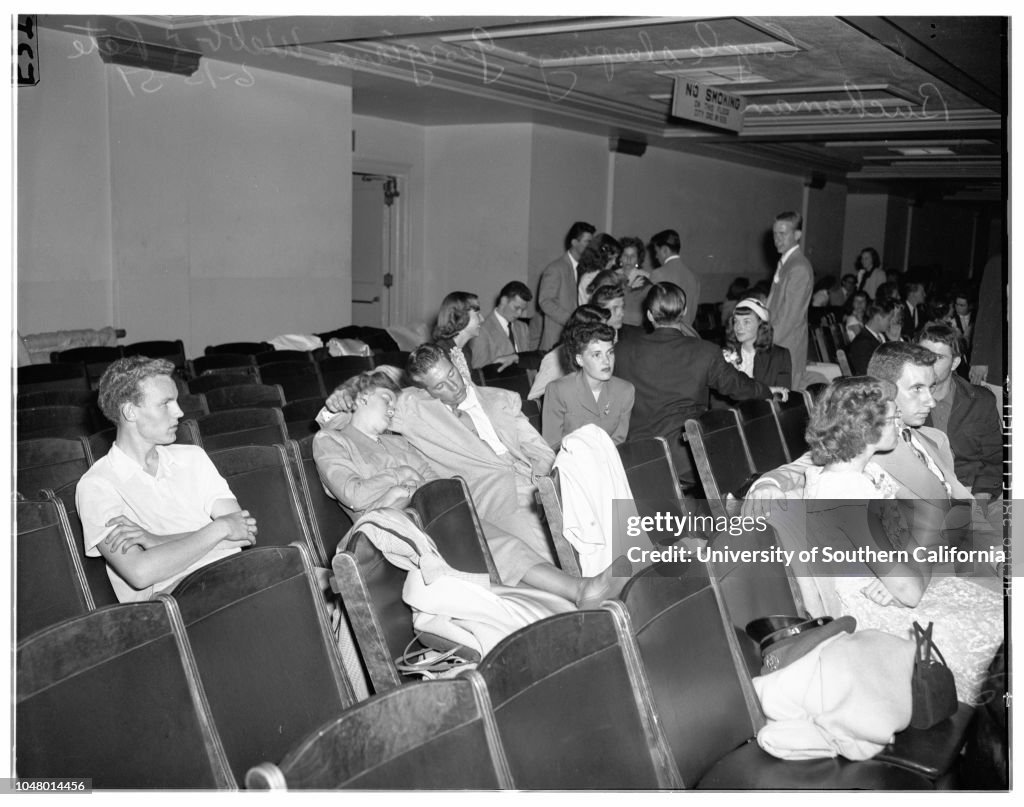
(921, 465)
(878, 318)
(481, 434)
(791, 292)
(671, 269)
(556, 292)
(913, 315)
(504, 338)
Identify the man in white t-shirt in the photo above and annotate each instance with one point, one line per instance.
(153, 510)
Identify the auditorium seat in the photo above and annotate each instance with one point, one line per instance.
(329, 522)
(96, 359)
(531, 409)
(792, 418)
(171, 349)
(447, 514)
(549, 493)
(244, 396)
(205, 383)
(241, 427)
(113, 696)
(297, 379)
(300, 417)
(222, 362)
(49, 462)
(721, 457)
(393, 358)
(761, 431)
(193, 404)
(336, 370)
(56, 375)
(49, 582)
(843, 362)
(430, 735)
(264, 651)
(654, 482)
(249, 348)
(571, 708)
(55, 421)
(94, 569)
(261, 478)
(513, 378)
(276, 356)
(29, 398)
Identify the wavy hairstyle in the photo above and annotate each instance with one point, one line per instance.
(847, 417)
(121, 382)
(454, 314)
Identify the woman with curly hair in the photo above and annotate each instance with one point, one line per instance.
(458, 321)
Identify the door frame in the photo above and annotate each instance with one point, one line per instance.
(397, 310)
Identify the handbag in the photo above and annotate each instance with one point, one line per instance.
(932, 686)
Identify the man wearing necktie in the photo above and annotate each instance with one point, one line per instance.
(791, 292)
(878, 318)
(913, 315)
(922, 463)
(504, 337)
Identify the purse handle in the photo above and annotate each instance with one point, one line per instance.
(925, 645)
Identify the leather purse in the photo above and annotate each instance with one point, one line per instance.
(932, 685)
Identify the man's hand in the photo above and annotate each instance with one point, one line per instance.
(781, 392)
(760, 500)
(507, 361)
(241, 527)
(879, 594)
(340, 401)
(127, 534)
(978, 373)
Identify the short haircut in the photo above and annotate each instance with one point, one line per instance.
(368, 381)
(606, 285)
(424, 358)
(666, 303)
(516, 288)
(889, 359)
(583, 334)
(578, 228)
(881, 306)
(908, 288)
(121, 382)
(846, 277)
(454, 314)
(667, 238)
(792, 217)
(943, 334)
(847, 417)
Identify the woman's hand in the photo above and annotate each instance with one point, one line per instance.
(878, 593)
(397, 496)
(340, 401)
(409, 476)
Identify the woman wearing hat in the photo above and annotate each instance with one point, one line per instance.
(750, 348)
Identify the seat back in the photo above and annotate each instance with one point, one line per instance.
(113, 695)
(55, 421)
(721, 456)
(549, 491)
(193, 404)
(838, 333)
(29, 398)
(264, 651)
(532, 411)
(572, 709)
(242, 427)
(49, 462)
(49, 582)
(223, 378)
(297, 379)
(328, 521)
(172, 350)
(262, 481)
(300, 417)
(247, 348)
(843, 362)
(371, 589)
(792, 418)
(431, 735)
(244, 396)
(674, 614)
(219, 362)
(56, 375)
(96, 359)
(446, 512)
(94, 569)
(653, 480)
(512, 378)
(393, 358)
(336, 370)
(762, 434)
(275, 356)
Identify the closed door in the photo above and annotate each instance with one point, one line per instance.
(373, 197)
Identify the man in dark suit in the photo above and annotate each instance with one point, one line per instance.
(913, 314)
(673, 373)
(671, 269)
(878, 316)
(504, 338)
(967, 415)
(791, 292)
(557, 295)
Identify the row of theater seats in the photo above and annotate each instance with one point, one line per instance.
(650, 693)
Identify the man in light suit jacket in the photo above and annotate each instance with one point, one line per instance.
(504, 338)
(481, 434)
(671, 269)
(791, 292)
(557, 295)
(922, 463)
